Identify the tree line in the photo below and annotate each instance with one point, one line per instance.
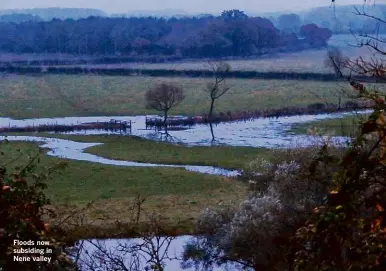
(231, 34)
(176, 73)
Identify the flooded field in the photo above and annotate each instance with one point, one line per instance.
(269, 133)
(263, 132)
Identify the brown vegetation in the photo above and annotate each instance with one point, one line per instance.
(113, 125)
(317, 210)
(22, 202)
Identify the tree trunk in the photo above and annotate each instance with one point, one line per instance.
(165, 121)
(210, 118)
(211, 110)
(211, 131)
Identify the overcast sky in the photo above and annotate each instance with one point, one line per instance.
(213, 6)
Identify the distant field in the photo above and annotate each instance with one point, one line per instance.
(307, 61)
(87, 95)
(300, 62)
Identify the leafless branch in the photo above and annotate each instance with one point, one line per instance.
(362, 13)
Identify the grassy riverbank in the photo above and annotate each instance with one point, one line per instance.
(147, 151)
(175, 193)
(88, 95)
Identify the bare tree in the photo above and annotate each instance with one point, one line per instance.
(217, 88)
(336, 61)
(162, 97)
(150, 251)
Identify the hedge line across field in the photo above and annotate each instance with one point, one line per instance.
(172, 73)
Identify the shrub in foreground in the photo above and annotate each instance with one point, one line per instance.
(22, 202)
(257, 233)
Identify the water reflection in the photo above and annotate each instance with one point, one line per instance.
(268, 133)
(135, 254)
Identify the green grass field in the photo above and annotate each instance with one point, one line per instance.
(87, 95)
(304, 61)
(84, 181)
(347, 126)
(177, 194)
(301, 62)
(141, 150)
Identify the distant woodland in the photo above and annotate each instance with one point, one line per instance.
(342, 20)
(233, 33)
(92, 32)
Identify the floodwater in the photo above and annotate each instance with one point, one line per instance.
(263, 132)
(72, 150)
(122, 251)
(269, 133)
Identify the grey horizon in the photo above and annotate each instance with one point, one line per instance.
(186, 6)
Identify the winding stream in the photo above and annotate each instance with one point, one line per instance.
(68, 149)
(269, 133)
